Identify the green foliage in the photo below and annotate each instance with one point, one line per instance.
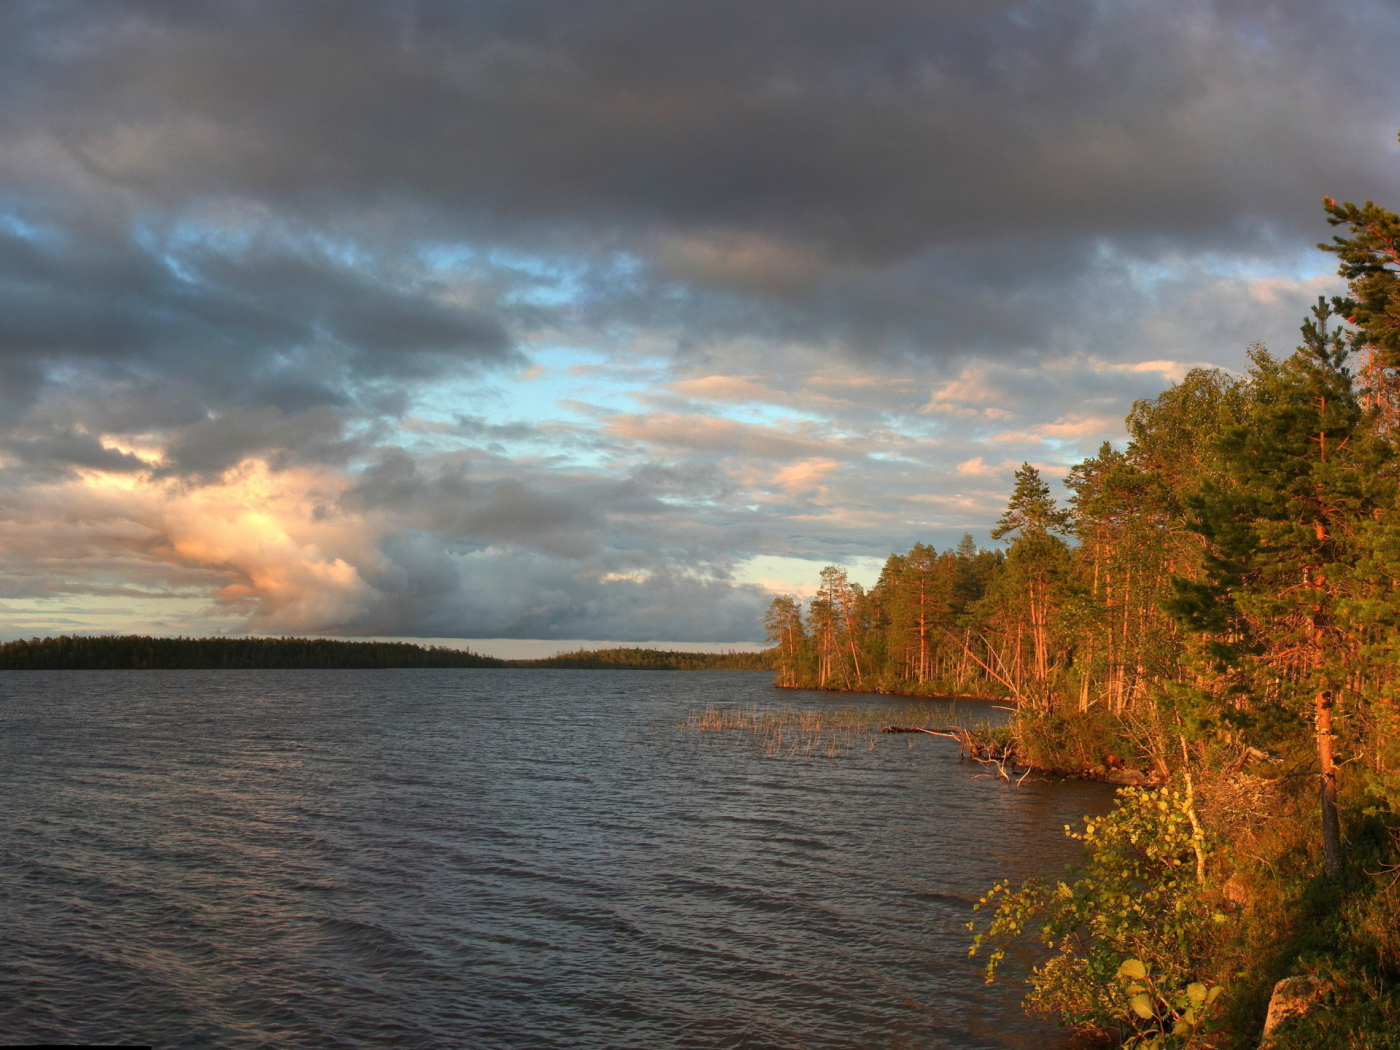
(1298, 921)
(1031, 508)
(1369, 259)
(1068, 742)
(1127, 932)
(1170, 1016)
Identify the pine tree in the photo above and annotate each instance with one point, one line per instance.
(1370, 261)
(1304, 471)
(1031, 508)
(840, 603)
(784, 627)
(1036, 569)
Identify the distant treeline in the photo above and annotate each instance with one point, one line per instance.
(654, 660)
(109, 652)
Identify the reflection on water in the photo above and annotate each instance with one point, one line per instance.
(490, 858)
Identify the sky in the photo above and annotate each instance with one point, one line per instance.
(562, 321)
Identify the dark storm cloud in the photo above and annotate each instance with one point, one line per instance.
(870, 127)
(288, 327)
(211, 446)
(562, 518)
(928, 177)
(428, 593)
(69, 448)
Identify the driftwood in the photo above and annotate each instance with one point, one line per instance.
(969, 748)
(1005, 758)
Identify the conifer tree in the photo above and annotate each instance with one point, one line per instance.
(840, 604)
(1370, 261)
(1031, 508)
(924, 611)
(784, 626)
(1036, 569)
(1304, 470)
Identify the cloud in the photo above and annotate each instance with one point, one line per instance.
(977, 467)
(70, 448)
(304, 551)
(869, 127)
(548, 318)
(719, 436)
(742, 262)
(268, 324)
(505, 514)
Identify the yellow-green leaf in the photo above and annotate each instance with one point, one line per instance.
(1197, 992)
(1142, 1005)
(1132, 968)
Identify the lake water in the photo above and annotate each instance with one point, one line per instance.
(491, 858)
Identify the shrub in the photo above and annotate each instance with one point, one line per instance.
(1066, 742)
(1130, 932)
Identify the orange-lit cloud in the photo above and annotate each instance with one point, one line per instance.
(266, 545)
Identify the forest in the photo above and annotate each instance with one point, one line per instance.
(136, 652)
(651, 660)
(1217, 606)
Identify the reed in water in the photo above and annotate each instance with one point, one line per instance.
(793, 731)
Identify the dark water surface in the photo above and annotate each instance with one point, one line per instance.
(489, 858)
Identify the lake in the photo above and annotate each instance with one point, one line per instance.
(492, 858)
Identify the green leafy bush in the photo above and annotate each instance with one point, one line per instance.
(1128, 932)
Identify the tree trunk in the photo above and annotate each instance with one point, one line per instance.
(1198, 835)
(923, 637)
(1326, 759)
(1038, 620)
(1331, 822)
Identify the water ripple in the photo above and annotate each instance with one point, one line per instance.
(488, 858)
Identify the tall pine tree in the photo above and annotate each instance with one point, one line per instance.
(1304, 470)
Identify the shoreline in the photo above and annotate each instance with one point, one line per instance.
(981, 750)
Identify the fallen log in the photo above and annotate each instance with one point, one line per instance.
(968, 746)
(951, 734)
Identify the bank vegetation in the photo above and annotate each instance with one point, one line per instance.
(1217, 607)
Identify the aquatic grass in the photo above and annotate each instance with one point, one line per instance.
(792, 732)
